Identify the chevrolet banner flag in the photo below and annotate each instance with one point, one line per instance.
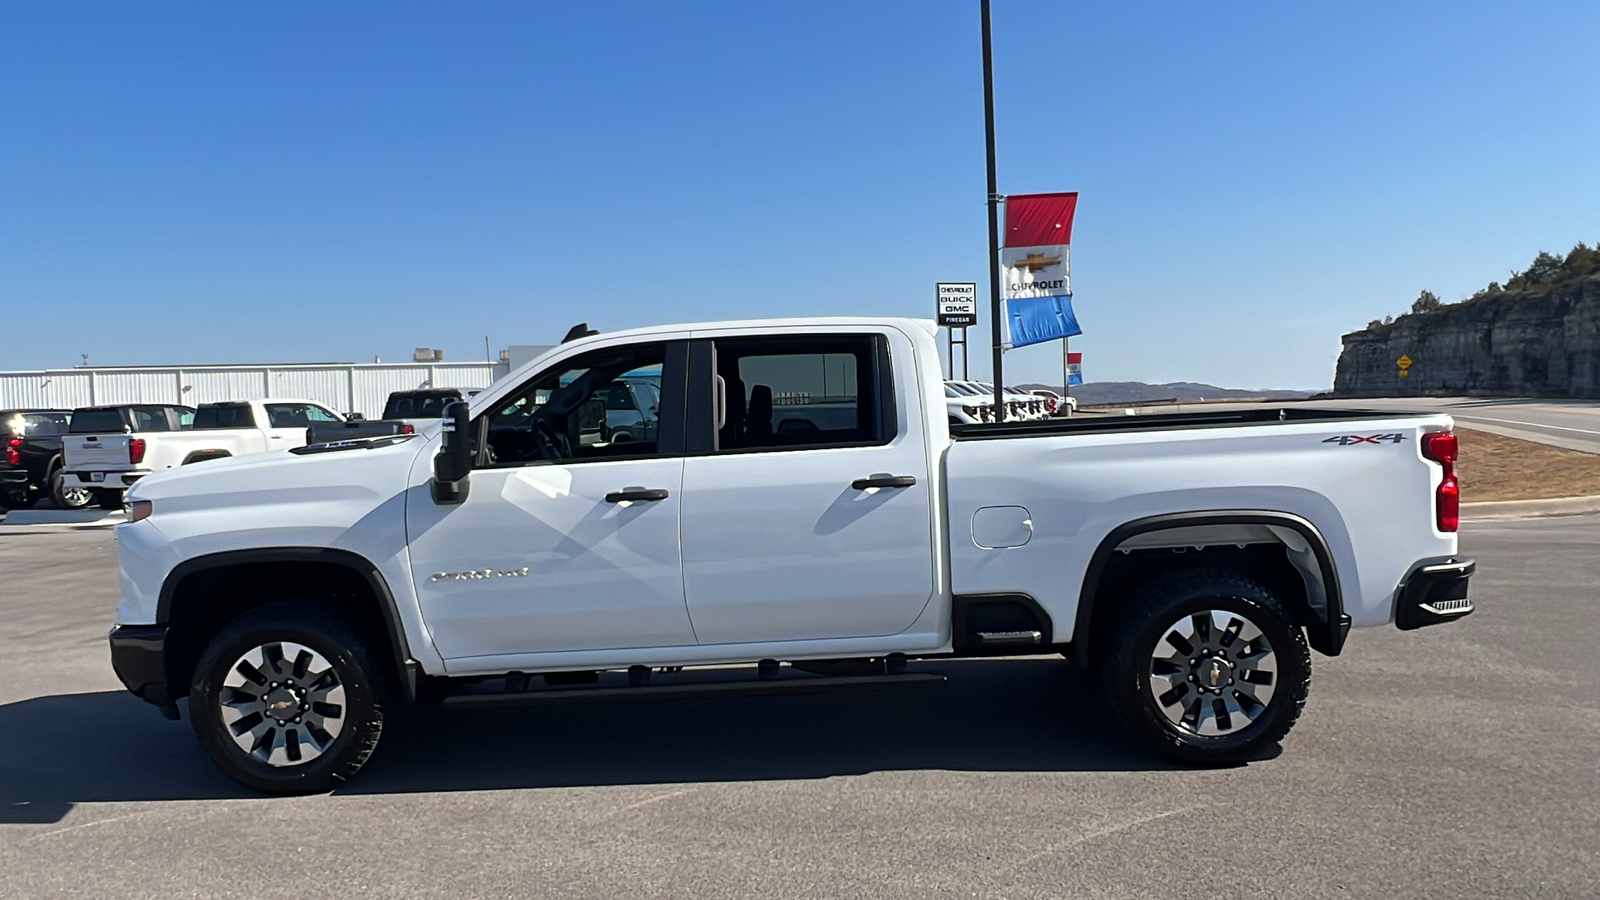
(1038, 288)
(1074, 369)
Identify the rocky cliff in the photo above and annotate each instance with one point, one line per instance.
(1533, 343)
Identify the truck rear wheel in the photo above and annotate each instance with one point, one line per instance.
(1205, 667)
(67, 497)
(288, 700)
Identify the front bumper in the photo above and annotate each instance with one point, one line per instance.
(139, 657)
(1435, 592)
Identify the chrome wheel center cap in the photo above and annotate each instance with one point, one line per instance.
(1213, 674)
(282, 704)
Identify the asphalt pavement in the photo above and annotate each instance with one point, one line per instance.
(1456, 761)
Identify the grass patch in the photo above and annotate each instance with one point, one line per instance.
(1500, 468)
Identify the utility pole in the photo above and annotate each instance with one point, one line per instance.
(994, 221)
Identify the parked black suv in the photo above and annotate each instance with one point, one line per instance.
(30, 459)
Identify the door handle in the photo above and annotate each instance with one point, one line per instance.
(631, 493)
(883, 480)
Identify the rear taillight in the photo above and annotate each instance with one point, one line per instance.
(1441, 447)
(13, 456)
(408, 429)
(136, 450)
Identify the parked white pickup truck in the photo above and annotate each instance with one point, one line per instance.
(109, 461)
(802, 508)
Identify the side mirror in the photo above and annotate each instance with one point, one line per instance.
(453, 466)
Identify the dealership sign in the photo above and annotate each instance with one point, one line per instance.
(957, 304)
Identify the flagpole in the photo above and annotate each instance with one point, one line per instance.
(994, 220)
(1066, 376)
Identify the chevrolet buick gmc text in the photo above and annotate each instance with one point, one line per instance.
(798, 510)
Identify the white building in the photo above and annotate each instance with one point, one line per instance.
(346, 387)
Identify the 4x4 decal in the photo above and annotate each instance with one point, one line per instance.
(1344, 440)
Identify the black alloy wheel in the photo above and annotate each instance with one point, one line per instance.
(1206, 668)
(288, 699)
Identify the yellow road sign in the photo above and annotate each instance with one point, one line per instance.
(1404, 362)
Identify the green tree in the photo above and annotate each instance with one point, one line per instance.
(1426, 302)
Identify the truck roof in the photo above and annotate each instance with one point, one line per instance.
(902, 322)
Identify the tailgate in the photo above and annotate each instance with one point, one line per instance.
(95, 452)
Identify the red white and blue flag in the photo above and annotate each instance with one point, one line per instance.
(1037, 293)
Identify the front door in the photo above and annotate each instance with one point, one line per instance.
(568, 540)
(812, 518)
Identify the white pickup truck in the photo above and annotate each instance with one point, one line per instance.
(113, 449)
(802, 514)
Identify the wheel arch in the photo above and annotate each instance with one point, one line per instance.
(374, 603)
(1321, 602)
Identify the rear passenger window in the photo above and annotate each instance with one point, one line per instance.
(224, 415)
(148, 418)
(44, 423)
(814, 391)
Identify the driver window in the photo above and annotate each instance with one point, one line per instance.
(600, 405)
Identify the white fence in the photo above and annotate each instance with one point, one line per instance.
(350, 387)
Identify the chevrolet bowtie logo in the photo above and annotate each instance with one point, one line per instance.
(1033, 262)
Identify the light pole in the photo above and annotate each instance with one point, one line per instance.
(994, 220)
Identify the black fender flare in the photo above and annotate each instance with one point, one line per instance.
(406, 668)
(1326, 637)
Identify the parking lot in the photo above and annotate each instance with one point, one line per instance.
(1450, 762)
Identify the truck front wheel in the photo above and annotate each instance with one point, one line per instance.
(288, 700)
(1206, 668)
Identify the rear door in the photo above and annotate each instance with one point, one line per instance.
(287, 423)
(810, 517)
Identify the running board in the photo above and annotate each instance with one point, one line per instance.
(1008, 638)
(746, 688)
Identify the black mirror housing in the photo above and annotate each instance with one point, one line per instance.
(452, 467)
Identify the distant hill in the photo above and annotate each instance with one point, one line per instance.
(1111, 393)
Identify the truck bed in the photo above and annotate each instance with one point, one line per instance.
(1165, 421)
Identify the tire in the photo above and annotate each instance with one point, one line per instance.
(1227, 686)
(110, 499)
(336, 721)
(64, 498)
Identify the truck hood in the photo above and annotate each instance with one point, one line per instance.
(359, 466)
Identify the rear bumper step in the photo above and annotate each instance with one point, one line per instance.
(1434, 592)
(785, 684)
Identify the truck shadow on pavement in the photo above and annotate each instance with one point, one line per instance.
(1011, 715)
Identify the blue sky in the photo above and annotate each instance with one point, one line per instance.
(187, 182)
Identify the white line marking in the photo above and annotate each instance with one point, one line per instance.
(1087, 836)
(646, 802)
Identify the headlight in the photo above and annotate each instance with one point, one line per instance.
(140, 509)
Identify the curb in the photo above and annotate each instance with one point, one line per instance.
(41, 518)
(1523, 509)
